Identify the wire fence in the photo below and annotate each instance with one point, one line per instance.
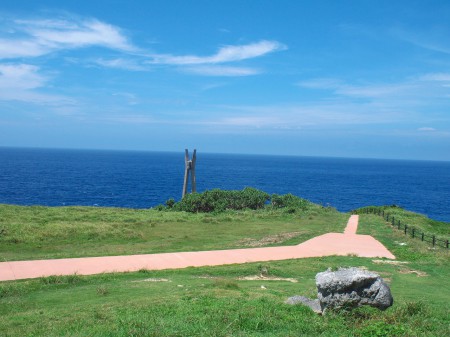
(405, 228)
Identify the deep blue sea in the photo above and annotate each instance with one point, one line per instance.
(144, 179)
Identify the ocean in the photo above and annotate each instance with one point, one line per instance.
(54, 177)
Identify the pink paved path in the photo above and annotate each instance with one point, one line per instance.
(324, 245)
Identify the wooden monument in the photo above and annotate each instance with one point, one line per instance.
(189, 169)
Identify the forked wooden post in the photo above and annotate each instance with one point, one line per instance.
(189, 168)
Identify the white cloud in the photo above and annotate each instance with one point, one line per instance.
(374, 90)
(38, 37)
(225, 54)
(439, 77)
(426, 129)
(363, 90)
(121, 63)
(213, 70)
(10, 48)
(19, 82)
(321, 83)
(31, 38)
(79, 34)
(129, 119)
(434, 38)
(130, 98)
(248, 121)
(418, 90)
(306, 115)
(20, 77)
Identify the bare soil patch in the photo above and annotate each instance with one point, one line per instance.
(266, 278)
(268, 240)
(395, 263)
(419, 273)
(153, 280)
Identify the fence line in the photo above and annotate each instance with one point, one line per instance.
(407, 229)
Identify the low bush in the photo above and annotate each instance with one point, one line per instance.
(217, 200)
(289, 201)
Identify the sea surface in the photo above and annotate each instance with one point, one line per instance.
(129, 179)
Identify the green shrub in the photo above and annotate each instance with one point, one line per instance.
(289, 201)
(217, 200)
(160, 208)
(170, 203)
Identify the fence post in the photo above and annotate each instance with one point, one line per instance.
(393, 221)
(406, 229)
(423, 235)
(434, 240)
(413, 232)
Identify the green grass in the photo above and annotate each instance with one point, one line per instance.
(59, 232)
(215, 301)
(401, 245)
(419, 221)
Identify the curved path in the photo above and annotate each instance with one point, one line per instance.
(329, 244)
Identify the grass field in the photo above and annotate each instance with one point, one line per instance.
(29, 233)
(216, 301)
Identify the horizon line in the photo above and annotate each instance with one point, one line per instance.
(218, 153)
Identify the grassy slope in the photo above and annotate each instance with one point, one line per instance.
(42, 232)
(420, 222)
(214, 302)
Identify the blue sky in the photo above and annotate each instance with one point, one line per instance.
(316, 78)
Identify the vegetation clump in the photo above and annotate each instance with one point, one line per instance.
(217, 200)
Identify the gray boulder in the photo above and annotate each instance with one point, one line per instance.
(352, 287)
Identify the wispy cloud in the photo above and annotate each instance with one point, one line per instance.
(215, 70)
(130, 98)
(426, 129)
(38, 37)
(440, 77)
(19, 82)
(247, 121)
(224, 54)
(121, 63)
(373, 91)
(362, 90)
(32, 38)
(297, 116)
(431, 38)
(212, 65)
(423, 87)
(20, 77)
(419, 99)
(321, 83)
(129, 119)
